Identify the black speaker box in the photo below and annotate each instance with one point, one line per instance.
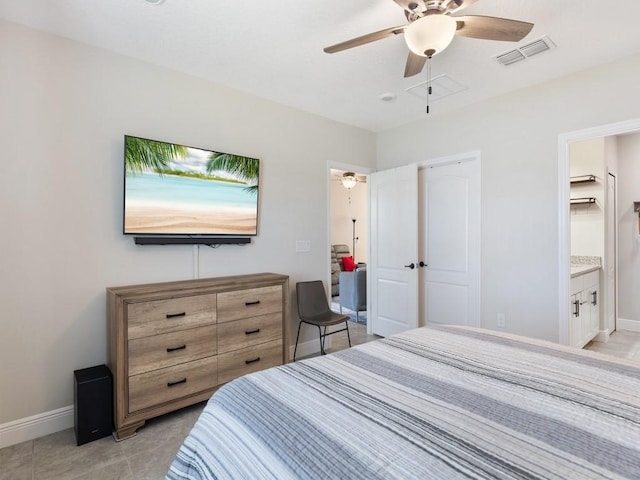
(93, 402)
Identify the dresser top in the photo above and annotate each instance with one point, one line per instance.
(215, 284)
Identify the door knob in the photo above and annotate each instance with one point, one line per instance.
(422, 264)
(411, 266)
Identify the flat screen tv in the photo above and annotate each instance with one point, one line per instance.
(172, 189)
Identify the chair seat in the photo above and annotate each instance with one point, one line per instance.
(332, 318)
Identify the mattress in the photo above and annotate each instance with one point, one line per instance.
(432, 403)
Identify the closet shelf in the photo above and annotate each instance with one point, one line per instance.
(582, 179)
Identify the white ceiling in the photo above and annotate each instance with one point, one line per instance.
(273, 49)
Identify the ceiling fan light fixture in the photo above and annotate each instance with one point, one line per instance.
(349, 180)
(430, 35)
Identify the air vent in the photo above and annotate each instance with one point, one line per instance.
(441, 86)
(540, 45)
(510, 57)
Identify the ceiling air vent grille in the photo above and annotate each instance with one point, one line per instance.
(510, 57)
(540, 45)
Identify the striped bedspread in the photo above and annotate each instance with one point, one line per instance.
(433, 403)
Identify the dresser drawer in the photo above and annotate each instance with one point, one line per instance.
(247, 360)
(167, 384)
(160, 351)
(249, 331)
(251, 302)
(171, 314)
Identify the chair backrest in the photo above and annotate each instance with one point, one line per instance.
(338, 251)
(312, 299)
(353, 289)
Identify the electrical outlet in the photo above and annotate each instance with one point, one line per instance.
(501, 321)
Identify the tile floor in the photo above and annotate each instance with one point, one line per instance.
(358, 334)
(621, 344)
(147, 456)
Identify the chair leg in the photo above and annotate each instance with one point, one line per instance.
(297, 337)
(357, 318)
(321, 340)
(324, 340)
(348, 336)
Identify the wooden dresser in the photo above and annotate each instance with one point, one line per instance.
(172, 344)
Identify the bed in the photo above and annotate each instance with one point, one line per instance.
(432, 403)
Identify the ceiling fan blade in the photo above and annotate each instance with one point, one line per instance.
(492, 28)
(364, 39)
(452, 8)
(415, 64)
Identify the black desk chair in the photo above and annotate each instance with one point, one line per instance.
(313, 309)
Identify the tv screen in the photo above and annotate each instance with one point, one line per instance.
(173, 189)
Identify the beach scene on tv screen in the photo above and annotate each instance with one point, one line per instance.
(174, 189)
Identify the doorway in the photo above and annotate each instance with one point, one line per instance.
(564, 231)
(348, 236)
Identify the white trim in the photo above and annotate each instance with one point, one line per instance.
(628, 325)
(564, 240)
(458, 157)
(29, 428)
(564, 234)
(347, 168)
(603, 336)
(310, 347)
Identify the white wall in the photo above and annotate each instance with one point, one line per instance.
(65, 110)
(517, 135)
(628, 187)
(346, 205)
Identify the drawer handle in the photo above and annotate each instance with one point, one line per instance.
(251, 332)
(173, 384)
(173, 349)
(248, 304)
(175, 315)
(247, 362)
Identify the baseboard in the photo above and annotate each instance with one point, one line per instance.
(603, 336)
(311, 347)
(629, 325)
(29, 428)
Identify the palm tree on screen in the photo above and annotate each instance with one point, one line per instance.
(243, 168)
(144, 155)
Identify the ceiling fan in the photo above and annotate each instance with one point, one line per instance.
(347, 179)
(431, 28)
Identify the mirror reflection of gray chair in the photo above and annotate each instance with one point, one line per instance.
(313, 309)
(353, 290)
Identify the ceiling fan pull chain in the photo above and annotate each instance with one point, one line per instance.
(429, 89)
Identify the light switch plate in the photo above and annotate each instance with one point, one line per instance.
(303, 246)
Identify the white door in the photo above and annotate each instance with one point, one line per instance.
(610, 256)
(450, 243)
(393, 274)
